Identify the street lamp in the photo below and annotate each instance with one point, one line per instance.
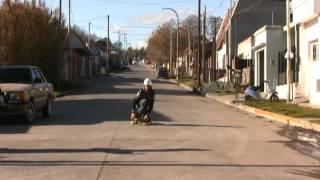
(177, 61)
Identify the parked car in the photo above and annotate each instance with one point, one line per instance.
(134, 62)
(124, 66)
(24, 91)
(162, 72)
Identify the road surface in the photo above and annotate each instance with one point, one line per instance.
(90, 137)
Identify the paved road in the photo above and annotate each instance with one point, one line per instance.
(89, 137)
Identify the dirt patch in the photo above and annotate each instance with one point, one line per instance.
(303, 140)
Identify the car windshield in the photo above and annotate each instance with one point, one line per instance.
(15, 75)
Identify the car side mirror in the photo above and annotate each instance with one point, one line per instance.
(37, 81)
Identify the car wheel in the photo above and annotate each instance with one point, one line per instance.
(29, 113)
(47, 110)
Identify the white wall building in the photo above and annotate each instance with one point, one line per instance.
(306, 18)
(245, 49)
(263, 48)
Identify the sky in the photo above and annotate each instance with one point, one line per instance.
(137, 18)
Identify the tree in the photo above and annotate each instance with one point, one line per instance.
(85, 36)
(30, 34)
(158, 49)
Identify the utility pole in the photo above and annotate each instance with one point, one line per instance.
(195, 64)
(229, 43)
(177, 63)
(69, 37)
(124, 45)
(89, 34)
(204, 64)
(170, 65)
(69, 18)
(107, 64)
(60, 14)
(189, 50)
(199, 43)
(214, 47)
(177, 60)
(61, 46)
(119, 44)
(288, 50)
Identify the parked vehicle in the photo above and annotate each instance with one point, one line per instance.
(272, 94)
(162, 72)
(253, 93)
(25, 91)
(134, 62)
(124, 66)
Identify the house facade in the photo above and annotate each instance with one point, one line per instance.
(245, 18)
(268, 43)
(245, 55)
(306, 21)
(77, 59)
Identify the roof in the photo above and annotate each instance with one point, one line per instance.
(223, 29)
(95, 51)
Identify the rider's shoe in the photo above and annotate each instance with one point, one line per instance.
(134, 121)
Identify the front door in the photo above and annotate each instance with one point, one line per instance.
(261, 60)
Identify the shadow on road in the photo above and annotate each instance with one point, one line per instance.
(97, 150)
(146, 164)
(109, 106)
(79, 112)
(194, 125)
(315, 173)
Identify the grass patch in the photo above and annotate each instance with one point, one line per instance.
(283, 108)
(223, 93)
(188, 81)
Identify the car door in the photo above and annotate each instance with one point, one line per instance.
(45, 87)
(41, 99)
(35, 91)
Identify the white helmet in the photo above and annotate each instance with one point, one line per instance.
(147, 82)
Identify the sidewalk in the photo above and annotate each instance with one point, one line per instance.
(290, 121)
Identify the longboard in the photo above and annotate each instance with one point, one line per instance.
(141, 123)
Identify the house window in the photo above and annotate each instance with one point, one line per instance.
(314, 51)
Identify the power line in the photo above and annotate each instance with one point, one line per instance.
(219, 6)
(102, 18)
(145, 2)
(98, 27)
(138, 27)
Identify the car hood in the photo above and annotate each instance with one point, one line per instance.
(14, 86)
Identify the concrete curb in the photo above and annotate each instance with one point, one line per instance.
(290, 121)
(181, 85)
(68, 93)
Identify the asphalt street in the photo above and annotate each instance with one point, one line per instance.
(90, 137)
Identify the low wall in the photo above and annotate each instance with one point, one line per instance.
(283, 91)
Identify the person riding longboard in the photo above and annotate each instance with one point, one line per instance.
(143, 104)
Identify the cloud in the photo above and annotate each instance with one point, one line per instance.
(140, 44)
(117, 28)
(156, 18)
